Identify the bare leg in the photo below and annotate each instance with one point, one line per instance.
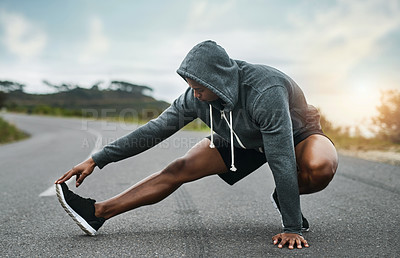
(198, 162)
(317, 161)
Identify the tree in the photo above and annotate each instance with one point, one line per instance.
(95, 86)
(7, 86)
(130, 87)
(388, 119)
(3, 98)
(61, 87)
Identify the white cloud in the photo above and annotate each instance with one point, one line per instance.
(22, 37)
(320, 48)
(329, 44)
(325, 42)
(332, 42)
(97, 43)
(206, 14)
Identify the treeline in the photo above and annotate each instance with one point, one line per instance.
(385, 127)
(9, 86)
(118, 97)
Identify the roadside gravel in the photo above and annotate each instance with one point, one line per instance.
(390, 157)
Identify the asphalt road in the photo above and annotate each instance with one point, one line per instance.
(358, 215)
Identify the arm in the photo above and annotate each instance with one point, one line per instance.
(170, 121)
(146, 136)
(271, 112)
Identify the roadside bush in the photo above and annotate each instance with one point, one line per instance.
(10, 133)
(388, 119)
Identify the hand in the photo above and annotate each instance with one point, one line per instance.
(81, 171)
(291, 239)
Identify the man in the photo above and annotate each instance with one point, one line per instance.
(258, 114)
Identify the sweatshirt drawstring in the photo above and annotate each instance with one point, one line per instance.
(233, 168)
(212, 146)
(230, 124)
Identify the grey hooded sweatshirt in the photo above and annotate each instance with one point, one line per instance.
(264, 107)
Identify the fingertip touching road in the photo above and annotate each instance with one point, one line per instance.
(356, 216)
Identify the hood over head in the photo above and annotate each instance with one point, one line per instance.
(208, 64)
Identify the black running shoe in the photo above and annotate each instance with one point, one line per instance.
(80, 209)
(274, 199)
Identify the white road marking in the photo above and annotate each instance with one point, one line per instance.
(97, 146)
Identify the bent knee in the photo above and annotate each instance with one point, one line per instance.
(319, 173)
(322, 169)
(177, 170)
(175, 167)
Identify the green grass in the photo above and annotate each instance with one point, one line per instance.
(197, 125)
(359, 143)
(10, 133)
(47, 110)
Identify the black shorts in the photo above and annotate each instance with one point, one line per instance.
(247, 160)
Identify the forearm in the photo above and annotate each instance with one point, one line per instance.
(132, 144)
(282, 162)
(143, 138)
(288, 195)
(276, 128)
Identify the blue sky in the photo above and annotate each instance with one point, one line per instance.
(342, 53)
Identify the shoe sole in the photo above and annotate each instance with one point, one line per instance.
(276, 207)
(81, 222)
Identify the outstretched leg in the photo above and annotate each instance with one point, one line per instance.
(200, 161)
(317, 162)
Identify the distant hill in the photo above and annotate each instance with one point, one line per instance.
(120, 99)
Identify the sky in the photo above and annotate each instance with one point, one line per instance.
(341, 53)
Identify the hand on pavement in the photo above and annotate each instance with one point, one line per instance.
(81, 171)
(291, 239)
